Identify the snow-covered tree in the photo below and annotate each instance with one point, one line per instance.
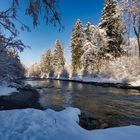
(94, 52)
(89, 29)
(112, 23)
(88, 58)
(100, 40)
(131, 15)
(46, 63)
(10, 65)
(58, 58)
(77, 42)
(35, 70)
(17, 69)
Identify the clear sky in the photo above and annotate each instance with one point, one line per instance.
(43, 37)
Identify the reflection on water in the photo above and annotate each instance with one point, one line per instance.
(119, 105)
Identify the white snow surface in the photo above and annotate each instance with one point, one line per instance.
(32, 124)
(5, 90)
(98, 79)
(135, 83)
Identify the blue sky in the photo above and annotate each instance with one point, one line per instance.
(43, 37)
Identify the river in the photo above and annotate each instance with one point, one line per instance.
(118, 106)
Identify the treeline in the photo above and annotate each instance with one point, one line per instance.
(93, 48)
(51, 64)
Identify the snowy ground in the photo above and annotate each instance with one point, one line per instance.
(135, 83)
(35, 124)
(100, 79)
(5, 90)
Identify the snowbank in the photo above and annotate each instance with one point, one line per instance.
(135, 83)
(97, 79)
(50, 125)
(123, 70)
(5, 90)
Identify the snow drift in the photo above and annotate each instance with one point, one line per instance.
(50, 125)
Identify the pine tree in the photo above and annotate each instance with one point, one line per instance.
(46, 62)
(112, 23)
(77, 42)
(58, 57)
(89, 31)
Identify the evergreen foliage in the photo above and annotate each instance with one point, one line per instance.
(46, 62)
(77, 42)
(112, 23)
(58, 56)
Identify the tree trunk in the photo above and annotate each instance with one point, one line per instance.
(98, 65)
(138, 37)
(137, 30)
(138, 40)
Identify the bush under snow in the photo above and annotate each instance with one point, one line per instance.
(126, 69)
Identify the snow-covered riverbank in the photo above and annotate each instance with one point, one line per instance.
(101, 81)
(50, 125)
(45, 125)
(121, 72)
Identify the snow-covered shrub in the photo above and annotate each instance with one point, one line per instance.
(69, 70)
(35, 71)
(64, 74)
(123, 68)
(57, 72)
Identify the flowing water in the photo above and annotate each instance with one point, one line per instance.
(119, 106)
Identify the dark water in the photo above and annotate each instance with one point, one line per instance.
(118, 106)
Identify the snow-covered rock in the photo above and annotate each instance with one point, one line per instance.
(35, 124)
(5, 90)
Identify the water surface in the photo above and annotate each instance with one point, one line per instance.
(118, 106)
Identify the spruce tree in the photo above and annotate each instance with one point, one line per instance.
(89, 31)
(88, 58)
(77, 42)
(46, 62)
(58, 57)
(113, 25)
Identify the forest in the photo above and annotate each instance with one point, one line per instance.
(107, 52)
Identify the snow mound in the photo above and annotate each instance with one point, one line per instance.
(101, 79)
(135, 83)
(35, 124)
(5, 90)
